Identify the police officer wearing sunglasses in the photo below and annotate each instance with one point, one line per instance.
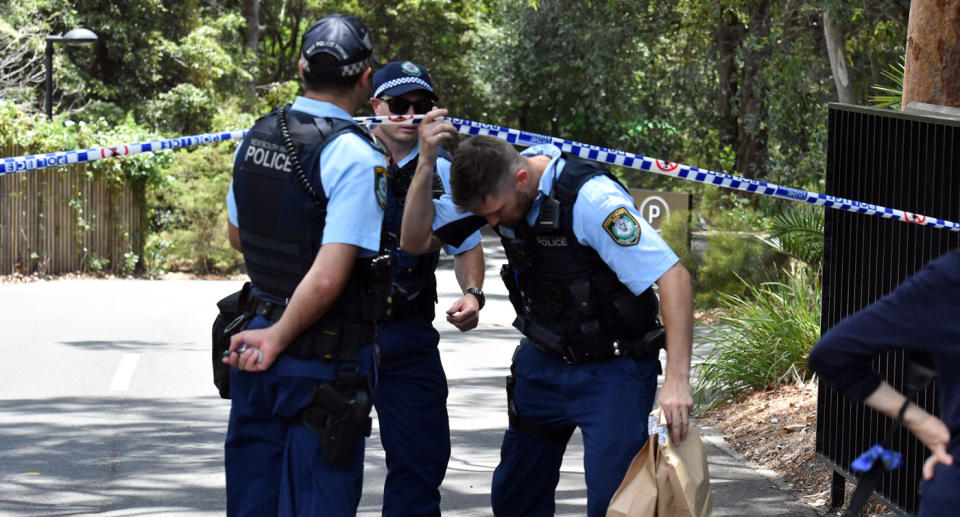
(411, 391)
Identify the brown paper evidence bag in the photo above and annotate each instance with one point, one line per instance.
(665, 480)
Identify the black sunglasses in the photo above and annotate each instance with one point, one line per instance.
(399, 105)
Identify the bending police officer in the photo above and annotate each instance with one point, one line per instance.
(582, 264)
(411, 392)
(309, 227)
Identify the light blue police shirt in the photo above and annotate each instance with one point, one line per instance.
(354, 215)
(600, 200)
(443, 170)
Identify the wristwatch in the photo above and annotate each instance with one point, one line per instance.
(476, 291)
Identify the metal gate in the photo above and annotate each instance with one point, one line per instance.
(899, 160)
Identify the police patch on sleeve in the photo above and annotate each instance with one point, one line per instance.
(622, 227)
(380, 185)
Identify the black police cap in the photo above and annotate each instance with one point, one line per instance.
(342, 37)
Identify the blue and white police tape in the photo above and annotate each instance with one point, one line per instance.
(635, 161)
(514, 136)
(42, 161)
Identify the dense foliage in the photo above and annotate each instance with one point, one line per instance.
(739, 86)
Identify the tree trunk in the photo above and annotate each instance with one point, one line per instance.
(751, 148)
(251, 37)
(728, 36)
(932, 63)
(838, 60)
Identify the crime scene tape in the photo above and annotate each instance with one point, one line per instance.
(635, 161)
(514, 136)
(42, 161)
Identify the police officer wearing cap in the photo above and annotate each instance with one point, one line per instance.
(581, 268)
(411, 393)
(309, 187)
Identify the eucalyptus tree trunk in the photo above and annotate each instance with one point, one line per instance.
(838, 60)
(932, 63)
(251, 37)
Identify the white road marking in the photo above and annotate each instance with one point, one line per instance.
(121, 378)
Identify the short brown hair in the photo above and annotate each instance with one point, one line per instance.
(323, 84)
(482, 166)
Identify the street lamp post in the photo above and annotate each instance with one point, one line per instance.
(72, 37)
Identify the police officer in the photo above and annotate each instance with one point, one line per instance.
(918, 316)
(411, 392)
(582, 264)
(309, 187)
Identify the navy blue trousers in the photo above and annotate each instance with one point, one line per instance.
(940, 497)
(277, 469)
(411, 402)
(609, 401)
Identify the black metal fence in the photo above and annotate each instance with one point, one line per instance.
(897, 160)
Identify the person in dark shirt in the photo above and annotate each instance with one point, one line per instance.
(922, 314)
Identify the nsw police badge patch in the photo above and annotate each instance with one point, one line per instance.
(622, 227)
(380, 185)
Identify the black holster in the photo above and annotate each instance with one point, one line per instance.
(339, 416)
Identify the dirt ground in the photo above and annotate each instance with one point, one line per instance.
(776, 429)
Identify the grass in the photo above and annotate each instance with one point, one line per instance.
(762, 339)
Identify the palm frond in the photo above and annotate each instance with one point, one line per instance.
(892, 95)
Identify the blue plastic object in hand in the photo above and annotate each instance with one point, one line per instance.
(891, 459)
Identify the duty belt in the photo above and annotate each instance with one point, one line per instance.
(554, 343)
(318, 342)
(421, 305)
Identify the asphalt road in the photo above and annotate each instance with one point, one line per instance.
(107, 406)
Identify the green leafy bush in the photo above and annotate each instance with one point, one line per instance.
(188, 217)
(732, 252)
(733, 261)
(64, 134)
(185, 110)
(675, 230)
(762, 339)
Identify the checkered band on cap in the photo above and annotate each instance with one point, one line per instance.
(402, 80)
(356, 68)
(339, 71)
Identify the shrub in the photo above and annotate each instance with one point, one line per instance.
(733, 261)
(189, 218)
(185, 110)
(762, 339)
(675, 230)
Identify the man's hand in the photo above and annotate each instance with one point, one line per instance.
(676, 399)
(253, 350)
(928, 428)
(432, 132)
(416, 235)
(933, 433)
(464, 313)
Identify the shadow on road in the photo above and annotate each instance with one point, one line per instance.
(160, 456)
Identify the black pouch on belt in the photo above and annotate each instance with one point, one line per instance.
(233, 317)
